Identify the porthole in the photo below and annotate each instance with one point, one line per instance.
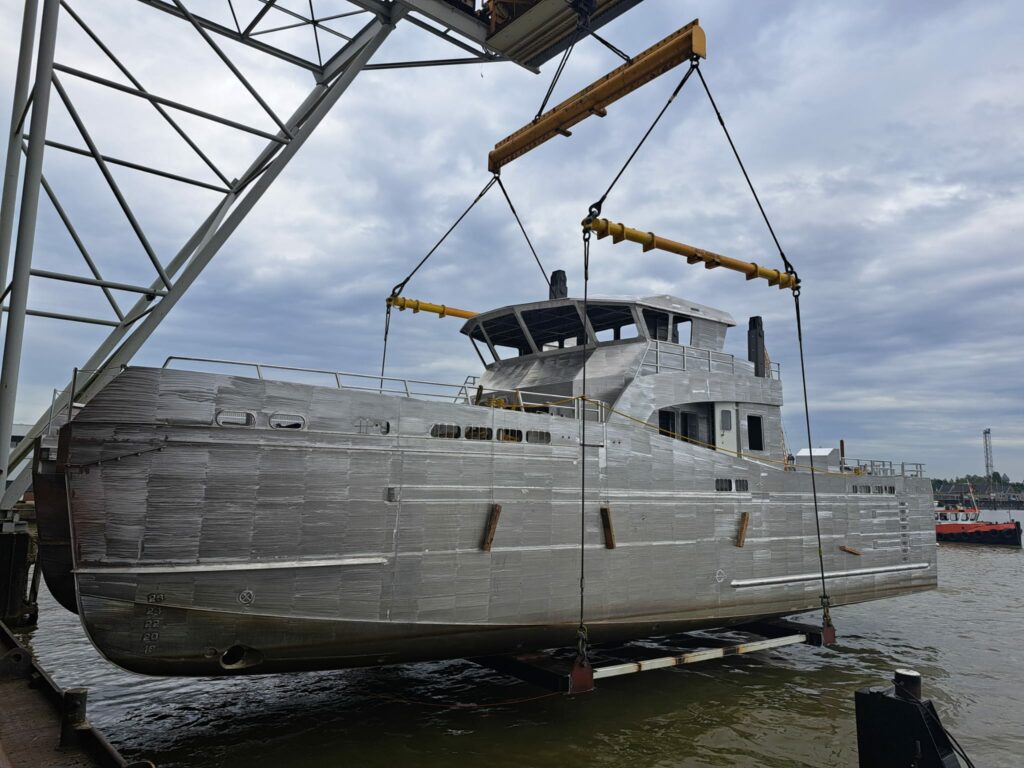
(236, 418)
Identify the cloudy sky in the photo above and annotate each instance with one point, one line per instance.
(885, 140)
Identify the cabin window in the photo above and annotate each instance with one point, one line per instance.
(755, 433)
(723, 484)
(541, 438)
(877, 489)
(510, 435)
(286, 421)
(507, 336)
(742, 484)
(681, 330)
(667, 423)
(479, 433)
(657, 324)
(236, 418)
(555, 327)
(612, 322)
(726, 420)
(890, 489)
(864, 488)
(661, 326)
(451, 431)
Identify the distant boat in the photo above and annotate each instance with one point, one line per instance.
(211, 523)
(963, 525)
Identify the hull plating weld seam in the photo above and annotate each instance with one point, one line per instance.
(270, 566)
(773, 580)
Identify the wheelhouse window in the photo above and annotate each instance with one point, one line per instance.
(662, 326)
(755, 433)
(612, 322)
(506, 336)
(555, 327)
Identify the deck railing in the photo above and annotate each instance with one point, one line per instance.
(665, 356)
(467, 393)
(879, 468)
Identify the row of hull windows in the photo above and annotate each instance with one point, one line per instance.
(504, 435)
(879, 489)
(248, 419)
(726, 484)
(226, 418)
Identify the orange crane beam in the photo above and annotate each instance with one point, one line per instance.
(441, 310)
(651, 241)
(682, 45)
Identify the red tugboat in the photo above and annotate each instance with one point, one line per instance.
(963, 525)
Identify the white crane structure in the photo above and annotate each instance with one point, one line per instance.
(332, 40)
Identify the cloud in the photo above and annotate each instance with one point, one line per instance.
(883, 141)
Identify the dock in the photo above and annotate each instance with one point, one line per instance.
(43, 725)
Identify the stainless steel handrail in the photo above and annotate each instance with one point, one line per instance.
(457, 393)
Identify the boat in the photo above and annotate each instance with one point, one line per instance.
(964, 525)
(214, 518)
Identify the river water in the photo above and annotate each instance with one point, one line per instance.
(790, 707)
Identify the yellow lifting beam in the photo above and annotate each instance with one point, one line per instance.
(425, 306)
(678, 47)
(651, 241)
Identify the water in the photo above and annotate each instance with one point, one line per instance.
(791, 707)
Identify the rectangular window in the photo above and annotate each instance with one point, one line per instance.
(286, 421)
(667, 423)
(510, 435)
(723, 484)
(876, 489)
(726, 421)
(446, 430)
(479, 433)
(541, 438)
(236, 418)
(742, 484)
(755, 434)
(864, 488)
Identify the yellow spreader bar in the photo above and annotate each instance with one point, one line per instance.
(680, 46)
(651, 241)
(440, 310)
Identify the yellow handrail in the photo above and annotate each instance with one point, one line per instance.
(650, 241)
(441, 310)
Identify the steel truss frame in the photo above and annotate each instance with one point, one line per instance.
(340, 57)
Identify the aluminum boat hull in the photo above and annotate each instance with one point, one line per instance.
(201, 549)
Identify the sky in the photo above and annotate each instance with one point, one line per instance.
(884, 140)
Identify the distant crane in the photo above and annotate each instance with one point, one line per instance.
(986, 437)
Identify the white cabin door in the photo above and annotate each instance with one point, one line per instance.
(725, 427)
